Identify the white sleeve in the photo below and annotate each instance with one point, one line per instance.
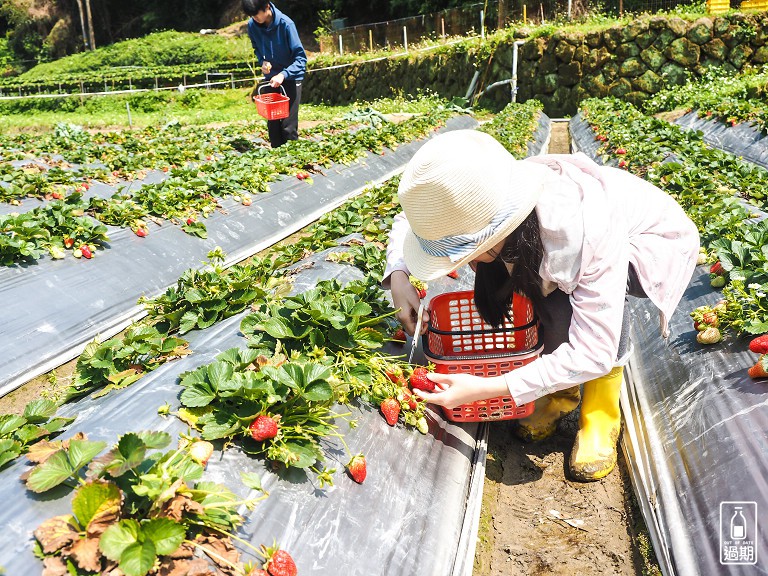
(395, 259)
(594, 333)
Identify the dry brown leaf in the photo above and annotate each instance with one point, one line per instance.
(222, 547)
(56, 532)
(184, 551)
(177, 506)
(108, 512)
(85, 553)
(40, 451)
(54, 566)
(196, 567)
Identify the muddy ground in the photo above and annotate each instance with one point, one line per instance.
(535, 521)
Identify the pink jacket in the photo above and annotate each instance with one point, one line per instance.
(596, 222)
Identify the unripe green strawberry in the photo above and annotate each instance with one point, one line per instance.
(421, 425)
(717, 282)
(201, 451)
(709, 336)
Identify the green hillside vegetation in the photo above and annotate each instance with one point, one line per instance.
(168, 48)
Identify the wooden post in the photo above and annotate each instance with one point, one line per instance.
(525, 14)
(502, 19)
(442, 25)
(90, 23)
(405, 38)
(82, 24)
(541, 8)
(370, 38)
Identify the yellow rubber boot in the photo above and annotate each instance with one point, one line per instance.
(548, 410)
(594, 452)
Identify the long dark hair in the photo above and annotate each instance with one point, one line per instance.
(494, 285)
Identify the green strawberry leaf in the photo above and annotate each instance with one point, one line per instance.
(82, 451)
(155, 440)
(252, 480)
(9, 423)
(118, 537)
(40, 410)
(55, 470)
(166, 534)
(96, 505)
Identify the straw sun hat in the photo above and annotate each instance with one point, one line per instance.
(463, 193)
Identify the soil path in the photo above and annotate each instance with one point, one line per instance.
(535, 521)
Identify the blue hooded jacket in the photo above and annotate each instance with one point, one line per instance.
(280, 45)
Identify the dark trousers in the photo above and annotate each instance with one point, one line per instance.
(280, 131)
(554, 313)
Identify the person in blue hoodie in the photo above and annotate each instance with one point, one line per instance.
(283, 62)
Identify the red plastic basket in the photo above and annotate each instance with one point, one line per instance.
(272, 105)
(459, 341)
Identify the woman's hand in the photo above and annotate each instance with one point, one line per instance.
(453, 390)
(406, 297)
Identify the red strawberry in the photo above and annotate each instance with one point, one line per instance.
(56, 195)
(759, 369)
(141, 232)
(86, 251)
(620, 151)
(717, 268)
(280, 563)
(394, 375)
(69, 242)
(399, 334)
(257, 572)
(190, 221)
(357, 469)
(86, 185)
(408, 397)
(419, 380)
(759, 345)
(601, 137)
(623, 163)
(391, 410)
(422, 293)
(453, 274)
(710, 319)
(263, 428)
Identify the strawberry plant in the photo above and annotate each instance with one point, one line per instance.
(202, 297)
(117, 363)
(224, 399)
(326, 316)
(18, 432)
(514, 125)
(134, 508)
